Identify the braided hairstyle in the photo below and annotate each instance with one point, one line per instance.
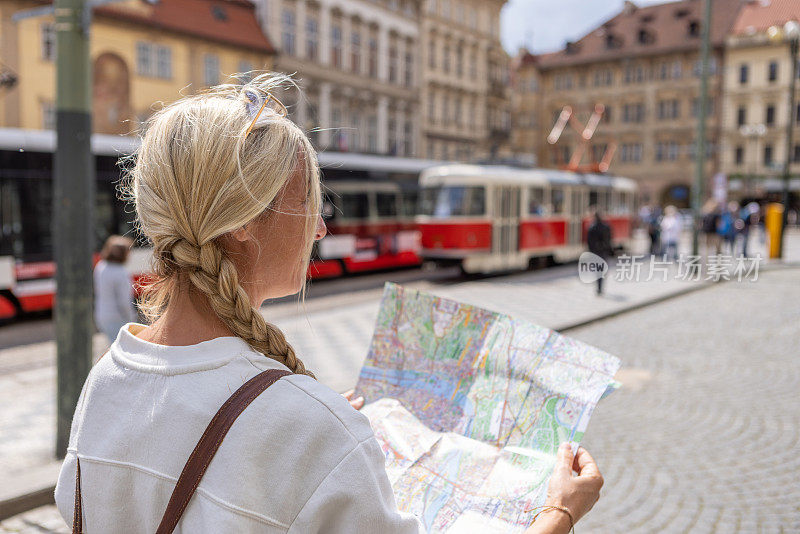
(197, 176)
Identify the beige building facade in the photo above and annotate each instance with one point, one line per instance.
(643, 66)
(465, 72)
(141, 53)
(359, 68)
(756, 109)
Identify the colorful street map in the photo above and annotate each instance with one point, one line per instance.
(470, 406)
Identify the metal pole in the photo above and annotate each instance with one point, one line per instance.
(698, 191)
(793, 46)
(73, 209)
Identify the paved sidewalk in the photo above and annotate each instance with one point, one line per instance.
(331, 334)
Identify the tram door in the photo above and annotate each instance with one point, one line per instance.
(505, 233)
(576, 210)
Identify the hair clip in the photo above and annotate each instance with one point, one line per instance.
(256, 104)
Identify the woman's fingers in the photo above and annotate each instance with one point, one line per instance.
(564, 460)
(584, 464)
(349, 394)
(357, 403)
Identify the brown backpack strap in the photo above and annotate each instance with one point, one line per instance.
(202, 454)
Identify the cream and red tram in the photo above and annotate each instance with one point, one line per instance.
(489, 218)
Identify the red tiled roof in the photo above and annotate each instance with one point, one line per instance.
(232, 22)
(759, 15)
(666, 26)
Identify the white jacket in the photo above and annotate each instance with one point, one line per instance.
(299, 459)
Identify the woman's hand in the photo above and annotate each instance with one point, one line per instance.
(576, 493)
(356, 403)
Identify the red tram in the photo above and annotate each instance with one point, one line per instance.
(495, 218)
(370, 205)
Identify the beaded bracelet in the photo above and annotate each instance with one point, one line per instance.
(549, 507)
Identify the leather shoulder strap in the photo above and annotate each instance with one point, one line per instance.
(203, 452)
(198, 462)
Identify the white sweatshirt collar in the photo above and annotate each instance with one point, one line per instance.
(135, 353)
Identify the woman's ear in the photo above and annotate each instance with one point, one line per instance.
(241, 234)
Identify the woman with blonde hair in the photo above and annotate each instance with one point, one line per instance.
(227, 190)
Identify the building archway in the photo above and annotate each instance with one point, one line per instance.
(111, 107)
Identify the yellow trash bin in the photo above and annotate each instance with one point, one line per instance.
(773, 220)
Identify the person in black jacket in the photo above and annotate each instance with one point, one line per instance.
(599, 240)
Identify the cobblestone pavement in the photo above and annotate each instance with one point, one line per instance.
(704, 436)
(334, 332)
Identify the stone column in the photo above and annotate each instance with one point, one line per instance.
(383, 124)
(325, 35)
(324, 114)
(383, 53)
(301, 29)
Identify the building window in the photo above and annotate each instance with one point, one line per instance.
(694, 29)
(741, 116)
(432, 108)
(144, 59)
(432, 52)
(631, 152)
(446, 58)
(769, 116)
(164, 62)
(355, 52)
(372, 133)
(773, 71)
(407, 137)
(392, 137)
(744, 72)
(710, 107)
(797, 115)
(459, 61)
(409, 77)
(634, 74)
(48, 116)
(373, 57)
(768, 155)
(393, 64)
(210, 69)
(48, 41)
(288, 31)
(473, 66)
(312, 38)
(563, 82)
(796, 156)
(667, 151)
(739, 155)
(603, 78)
(336, 46)
(633, 113)
(668, 109)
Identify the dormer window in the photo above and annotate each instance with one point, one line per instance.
(572, 48)
(694, 29)
(680, 13)
(612, 41)
(647, 18)
(646, 37)
(219, 13)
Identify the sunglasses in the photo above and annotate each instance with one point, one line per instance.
(256, 105)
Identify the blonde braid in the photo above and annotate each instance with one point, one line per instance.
(212, 272)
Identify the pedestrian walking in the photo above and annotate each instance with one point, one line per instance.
(113, 291)
(671, 228)
(227, 189)
(727, 226)
(710, 221)
(654, 231)
(598, 239)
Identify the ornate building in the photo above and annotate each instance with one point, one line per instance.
(465, 71)
(358, 63)
(143, 53)
(756, 110)
(643, 65)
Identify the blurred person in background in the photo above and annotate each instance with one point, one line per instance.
(711, 215)
(654, 230)
(727, 227)
(671, 227)
(598, 238)
(113, 291)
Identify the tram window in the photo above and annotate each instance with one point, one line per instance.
(387, 204)
(10, 220)
(453, 201)
(557, 200)
(355, 205)
(594, 201)
(477, 201)
(409, 203)
(536, 201)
